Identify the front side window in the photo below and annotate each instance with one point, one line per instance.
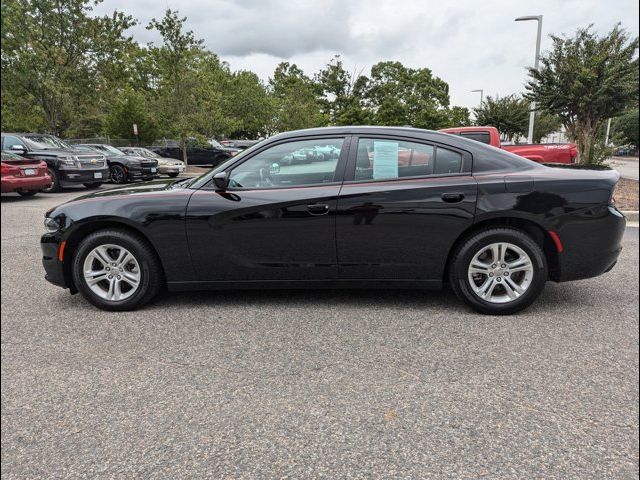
(9, 141)
(384, 159)
(304, 162)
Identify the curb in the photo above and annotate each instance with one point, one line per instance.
(632, 215)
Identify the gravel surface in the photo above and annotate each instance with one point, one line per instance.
(304, 384)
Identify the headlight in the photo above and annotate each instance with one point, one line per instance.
(51, 225)
(68, 162)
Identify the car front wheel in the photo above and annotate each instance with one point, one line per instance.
(498, 271)
(116, 270)
(117, 174)
(55, 182)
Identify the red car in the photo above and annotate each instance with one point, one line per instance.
(538, 152)
(23, 175)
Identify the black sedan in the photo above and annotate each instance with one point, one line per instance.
(208, 155)
(397, 208)
(124, 168)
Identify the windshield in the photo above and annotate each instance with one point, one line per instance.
(43, 142)
(108, 149)
(146, 153)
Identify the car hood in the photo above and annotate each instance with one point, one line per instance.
(133, 189)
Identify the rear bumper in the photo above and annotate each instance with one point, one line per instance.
(13, 184)
(53, 267)
(84, 175)
(592, 244)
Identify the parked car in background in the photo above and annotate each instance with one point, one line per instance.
(66, 165)
(166, 166)
(398, 208)
(124, 168)
(23, 175)
(208, 155)
(241, 144)
(538, 152)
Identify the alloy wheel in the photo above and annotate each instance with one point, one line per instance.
(112, 272)
(500, 272)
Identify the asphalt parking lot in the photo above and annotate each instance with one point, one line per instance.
(308, 384)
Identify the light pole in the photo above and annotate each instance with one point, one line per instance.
(481, 94)
(532, 114)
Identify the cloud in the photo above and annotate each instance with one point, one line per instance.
(468, 44)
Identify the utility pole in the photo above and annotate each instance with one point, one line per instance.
(532, 113)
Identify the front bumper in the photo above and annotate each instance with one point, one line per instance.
(142, 174)
(167, 169)
(592, 243)
(13, 184)
(53, 267)
(89, 175)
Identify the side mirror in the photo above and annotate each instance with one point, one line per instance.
(18, 149)
(221, 181)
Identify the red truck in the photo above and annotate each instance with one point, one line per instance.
(538, 152)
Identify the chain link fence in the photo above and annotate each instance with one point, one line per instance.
(116, 142)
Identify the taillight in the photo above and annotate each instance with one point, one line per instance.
(574, 155)
(7, 169)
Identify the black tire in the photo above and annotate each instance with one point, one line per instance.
(27, 193)
(173, 175)
(117, 174)
(468, 248)
(55, 182)
(92, 185)
(151, 275)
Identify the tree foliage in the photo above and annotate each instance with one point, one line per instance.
(56, 56)
(585, 80)
(626, 127)
(510, 115)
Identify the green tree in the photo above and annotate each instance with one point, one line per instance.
(177, 102)
(510, 115)
(585, 80)
(626, 127)
(61, 60)
(545, 123)
(342, 94)
(398, 95)
(295, 98)
(458, 117)
(128, 108)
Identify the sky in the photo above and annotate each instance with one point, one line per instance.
(469, 44)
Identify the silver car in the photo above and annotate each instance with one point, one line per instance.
(166, 166)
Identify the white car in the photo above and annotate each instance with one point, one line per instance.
(166, 166)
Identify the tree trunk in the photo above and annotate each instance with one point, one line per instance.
(183, 141)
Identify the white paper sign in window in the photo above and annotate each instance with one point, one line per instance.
(385, 159)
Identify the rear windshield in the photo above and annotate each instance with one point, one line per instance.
(482, 137)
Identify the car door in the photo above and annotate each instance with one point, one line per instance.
(274, 221)
(403, 204)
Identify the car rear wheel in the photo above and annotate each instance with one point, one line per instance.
(498, 271)
(55, 182)
(117, 174)
(173, 175)
(92, 185)
(116, 270)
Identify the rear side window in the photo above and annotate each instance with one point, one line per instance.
(482, 137)
(385, 159)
